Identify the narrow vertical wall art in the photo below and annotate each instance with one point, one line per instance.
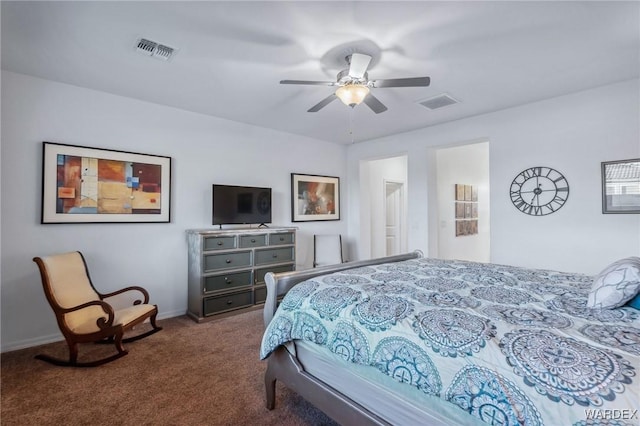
(466, 210)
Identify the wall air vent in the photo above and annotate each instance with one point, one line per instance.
(439, 101)
(155, 50)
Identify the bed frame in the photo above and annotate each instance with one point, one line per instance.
(284, 366)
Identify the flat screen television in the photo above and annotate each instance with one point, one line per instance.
(241, 205)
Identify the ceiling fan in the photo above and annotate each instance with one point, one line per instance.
(355, 86)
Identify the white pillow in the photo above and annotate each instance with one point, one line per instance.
(616, 284)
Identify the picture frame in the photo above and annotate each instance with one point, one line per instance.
(83, 184)
(621, 186)
(468, 192)
(466, 209)
(466, 227)
(459, 192)
(314, 198)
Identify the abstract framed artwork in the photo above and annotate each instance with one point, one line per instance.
(621, 186)
(93, 185)
(314, 198)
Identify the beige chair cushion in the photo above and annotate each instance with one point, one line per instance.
(122, 317)
(71, 287)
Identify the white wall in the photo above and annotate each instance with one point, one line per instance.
(204, 150)
(572, 134)
(465, 165)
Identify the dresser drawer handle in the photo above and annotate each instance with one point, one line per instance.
(228, 260)
(227, 280)
(253, 240)
(275, 255)
(220, 243)
(229, 302)
(281, 238)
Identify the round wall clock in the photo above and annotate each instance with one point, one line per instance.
(539, 191)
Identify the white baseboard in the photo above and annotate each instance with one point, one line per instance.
(43, 340)
(165, 315)
(28, 343)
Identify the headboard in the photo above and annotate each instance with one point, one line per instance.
(278, 284)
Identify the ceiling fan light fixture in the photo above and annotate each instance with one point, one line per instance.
(352, 94)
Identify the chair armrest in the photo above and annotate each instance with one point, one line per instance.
(101, 322)
(144, 292)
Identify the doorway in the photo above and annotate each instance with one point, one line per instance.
(393, 212)
(466, 165)
(383, 221)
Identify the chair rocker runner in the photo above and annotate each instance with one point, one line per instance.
(81, 312)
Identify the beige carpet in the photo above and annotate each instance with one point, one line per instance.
(186, 374)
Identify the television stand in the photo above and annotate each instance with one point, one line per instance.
(263, 225)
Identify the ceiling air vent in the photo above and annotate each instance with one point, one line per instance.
(439, 101)
(155, 50)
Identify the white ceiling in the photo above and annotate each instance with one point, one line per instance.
(232, 55)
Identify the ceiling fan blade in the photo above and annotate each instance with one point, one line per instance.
(314, 83)
(323, 103)
(358, 65)
(375, 104)
(402, 82)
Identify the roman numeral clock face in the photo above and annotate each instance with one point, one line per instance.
(539, 191)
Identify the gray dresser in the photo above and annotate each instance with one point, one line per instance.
(227, 268)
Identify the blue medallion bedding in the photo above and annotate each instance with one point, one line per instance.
(509, 345)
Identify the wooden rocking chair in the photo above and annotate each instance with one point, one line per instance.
(82, 314)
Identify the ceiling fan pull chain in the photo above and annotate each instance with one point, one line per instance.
(351, 124)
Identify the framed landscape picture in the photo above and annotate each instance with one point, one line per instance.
(314, 198)
(93, 185)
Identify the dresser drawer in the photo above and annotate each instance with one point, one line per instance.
(219, 243)
(227, 281)
(217, 304)
(274, 255)
(253, 240)
(260, 273)
(232, 260)
(259, 295)
(281, 238)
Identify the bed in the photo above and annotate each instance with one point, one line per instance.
(409, 340)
